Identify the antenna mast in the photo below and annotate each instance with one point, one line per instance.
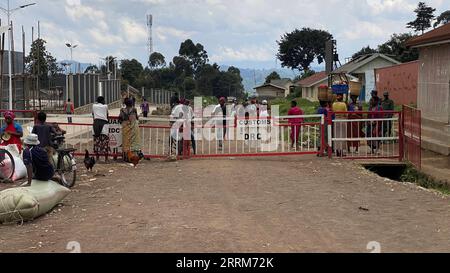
(150, 34)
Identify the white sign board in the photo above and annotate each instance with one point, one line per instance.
(115, 134)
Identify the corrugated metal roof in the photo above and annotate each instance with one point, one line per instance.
(281, 84)
(439, 34)
(361, 61)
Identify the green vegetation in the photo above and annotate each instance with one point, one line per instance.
(310, 108)
(412, 175)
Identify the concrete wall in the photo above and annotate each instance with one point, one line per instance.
(401, 82)
(434, 82)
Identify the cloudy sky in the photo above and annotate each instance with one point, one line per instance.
(234, 32)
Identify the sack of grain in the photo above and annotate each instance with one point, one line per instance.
(28, 203)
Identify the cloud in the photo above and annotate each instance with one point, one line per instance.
(251, 53)
(241, 31)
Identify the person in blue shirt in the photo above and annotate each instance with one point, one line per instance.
(36, 160)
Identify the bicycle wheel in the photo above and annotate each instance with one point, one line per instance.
(7, 165)
(67, 170)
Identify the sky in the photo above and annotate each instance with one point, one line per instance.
(242, 33)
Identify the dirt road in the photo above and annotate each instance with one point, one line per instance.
(295, 204)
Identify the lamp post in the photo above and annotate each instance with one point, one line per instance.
(9, 12)
(71, 47)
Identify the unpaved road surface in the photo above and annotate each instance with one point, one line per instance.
(292, 204)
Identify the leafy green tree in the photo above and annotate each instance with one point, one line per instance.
(424, 16)
(40, 62)
(156, 60)
(131, 70)
(304, 75)
(364, 51)
(272, 76)
(442, 19)
(396, 47)
(298, 49)
(195, 53)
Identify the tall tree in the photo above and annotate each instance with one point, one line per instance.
(131, 70)
(272, 76)
(40, 62)
(156, 60)
(195, 53)
(298, 49)
(424, 16)
(442, 19)
(364, 51)
(396, 47)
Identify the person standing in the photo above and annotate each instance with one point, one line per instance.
(374, 97)
(355, 128)
(340, 128)
(220, 114)
(295, 124)
(11, 132)
(145, 107)
(387, 105)
(101, 138)
(174, 100)
(131, 140)
(374, 127)
(69, 110)
(36, 160)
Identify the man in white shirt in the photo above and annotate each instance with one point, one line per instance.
(220, 115)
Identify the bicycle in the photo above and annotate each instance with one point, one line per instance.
(64, 162)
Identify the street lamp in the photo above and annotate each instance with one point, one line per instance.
(107, 62)
(71, 47)
(9, 12)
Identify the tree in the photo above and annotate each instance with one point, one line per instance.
(298, 49)
(156, 60)
(396, 47)
(442, 19)
(195, 53)
(425, 15)
(364, 51)
(40, 62)
(131, 70)
(272, 76)
(304, 75)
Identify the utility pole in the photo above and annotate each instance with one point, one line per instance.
(9, 12)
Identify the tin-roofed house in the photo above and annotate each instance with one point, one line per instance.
(310, 86)
(363, 67)
(275, 89)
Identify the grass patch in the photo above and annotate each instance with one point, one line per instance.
(309, 107)
(411, 174)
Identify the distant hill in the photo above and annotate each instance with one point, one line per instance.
(255, 77)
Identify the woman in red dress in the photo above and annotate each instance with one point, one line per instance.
(11, 132)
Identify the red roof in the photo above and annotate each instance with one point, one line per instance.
(313, 79)
(439, 34)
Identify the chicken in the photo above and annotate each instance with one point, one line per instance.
(89, 162)
(134, 158)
